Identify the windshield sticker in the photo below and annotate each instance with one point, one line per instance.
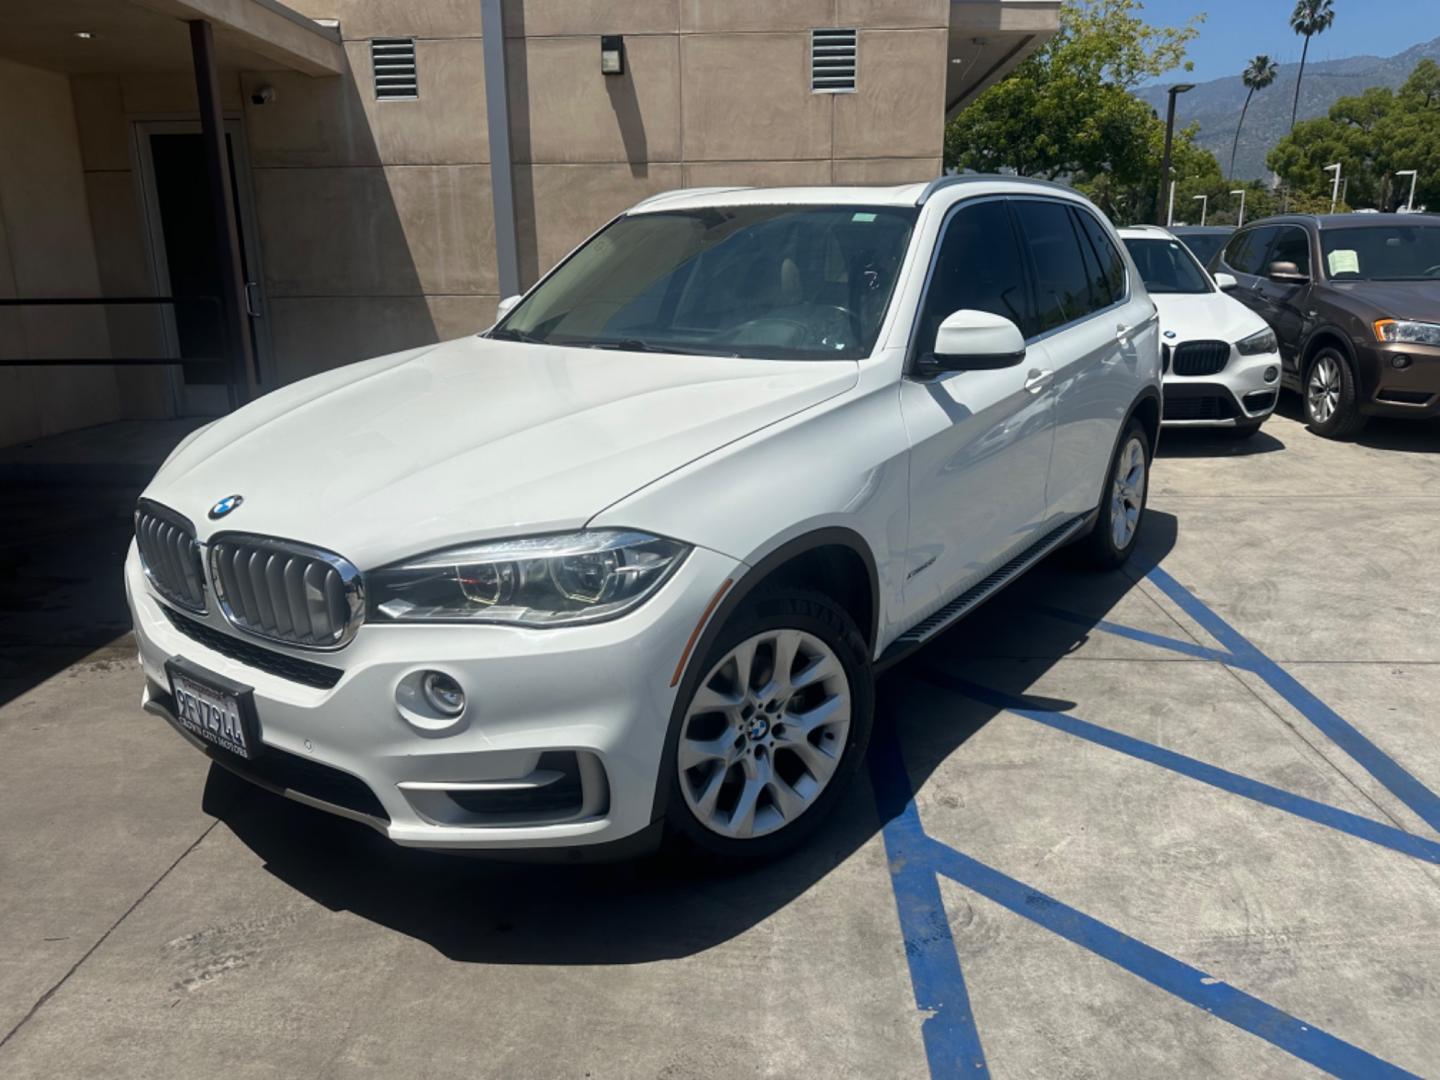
(1343, 261)
(862, 217)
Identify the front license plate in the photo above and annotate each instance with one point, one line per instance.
(212, 713)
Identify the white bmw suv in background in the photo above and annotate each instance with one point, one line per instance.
(1222, 361)
(624, 567)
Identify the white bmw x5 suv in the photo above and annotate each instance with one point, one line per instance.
(623, 567)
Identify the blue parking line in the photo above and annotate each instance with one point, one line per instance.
(952, 1043)
(1188, 648)
(1370, 757)
(1333, 817)
(1189, 984)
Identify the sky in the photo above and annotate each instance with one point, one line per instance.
(1235, 30)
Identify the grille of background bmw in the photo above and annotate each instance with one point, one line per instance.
(832, 60)
(1200, 407)
(171, 557)
(1200, 357)
(393, 60)
(285, 593)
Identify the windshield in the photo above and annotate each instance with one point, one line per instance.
(1204, 245)
(1166, 266)
(788, 282)
(1382, 253)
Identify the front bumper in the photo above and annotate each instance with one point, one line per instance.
(1236, 395)
(1409, 391)
(598, 695)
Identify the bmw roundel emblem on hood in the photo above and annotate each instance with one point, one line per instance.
(1168, 334)
(225, 505)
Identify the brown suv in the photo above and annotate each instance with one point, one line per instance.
(1355, 302)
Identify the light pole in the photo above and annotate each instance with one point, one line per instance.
(1335, 190)
(1412, 173)
(1170, 206)
(1241, 220)
(1178, 88)
(1204, 206)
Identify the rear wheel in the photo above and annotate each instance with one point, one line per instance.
(774, 730)
(1122, 508)
(1332, 407)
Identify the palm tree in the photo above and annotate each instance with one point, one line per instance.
(1258, 74)
(1310, 17)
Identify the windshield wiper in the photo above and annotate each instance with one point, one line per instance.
(637, 345)
(506, 334)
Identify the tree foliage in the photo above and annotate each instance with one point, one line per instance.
(1067, 110)
(1372, 135)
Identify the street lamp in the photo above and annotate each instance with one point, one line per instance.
(1412, 173)
(1178, 88)
(1204, 206)
(1241, 192)
(1335, 190)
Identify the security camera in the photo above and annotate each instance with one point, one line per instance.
(262, 95)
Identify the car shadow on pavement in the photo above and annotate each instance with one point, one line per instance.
(1214, 442)
(1380, 433)
(481, 911)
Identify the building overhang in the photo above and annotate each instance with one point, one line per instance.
(116, 36)
(988, 38)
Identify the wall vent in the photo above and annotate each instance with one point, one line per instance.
(832, 61)
(394, 62)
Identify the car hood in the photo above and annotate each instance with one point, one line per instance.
(1204, 316)
(473, 439)
(1419, 300)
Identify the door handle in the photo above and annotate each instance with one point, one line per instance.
(1037, 380)
(252, 299)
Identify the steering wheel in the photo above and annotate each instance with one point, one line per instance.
(845, 313)
(1431, 271)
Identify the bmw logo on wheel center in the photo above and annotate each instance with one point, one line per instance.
(225, 505)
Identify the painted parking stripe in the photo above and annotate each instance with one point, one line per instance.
(1370, 757)
(1220, 999)
(1188, 648)
(952, 1043)
(1333, 817)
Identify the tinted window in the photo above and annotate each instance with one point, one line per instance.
(1204, 245)
(980, 267)
(1167, 266)
(1291, 246)
(1062, 287)
(1112, 266)
(792, 282)
(1246, 253)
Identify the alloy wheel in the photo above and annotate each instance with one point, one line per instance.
(764, 733)
(1322, 395)
(1127, 495)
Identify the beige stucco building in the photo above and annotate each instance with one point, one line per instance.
(381, 201)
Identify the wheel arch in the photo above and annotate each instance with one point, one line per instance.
(1147, 409)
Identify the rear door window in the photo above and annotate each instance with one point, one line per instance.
(1112, 266)
(1062, 285)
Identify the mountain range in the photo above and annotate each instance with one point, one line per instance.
(1216, 105)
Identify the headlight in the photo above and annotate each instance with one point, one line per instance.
(555, 580)
(1256, 344)
(1408, 333)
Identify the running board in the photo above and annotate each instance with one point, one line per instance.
(978, 593)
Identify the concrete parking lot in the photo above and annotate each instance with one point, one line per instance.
(1181, 820)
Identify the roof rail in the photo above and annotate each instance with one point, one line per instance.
(942, 182)
(678, 193)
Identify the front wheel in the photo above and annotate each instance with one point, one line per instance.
(1332, 407)
(1122, 507)
(773, 731)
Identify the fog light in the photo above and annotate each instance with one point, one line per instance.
(1399, 360)
(442, 693)
(1272, 373)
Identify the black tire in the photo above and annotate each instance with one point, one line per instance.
(1346, 420)
(791, 609)
(1100, 549)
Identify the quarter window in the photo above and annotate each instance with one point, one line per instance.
(1062, 286)
(979, 267)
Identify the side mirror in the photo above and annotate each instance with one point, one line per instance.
(1226, 281)
(1286, 273)
(975, 341)
(505, 307)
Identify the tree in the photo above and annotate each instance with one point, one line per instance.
(1310, 17)
(1373, 135)
(1067, 110)
(1258, 74)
